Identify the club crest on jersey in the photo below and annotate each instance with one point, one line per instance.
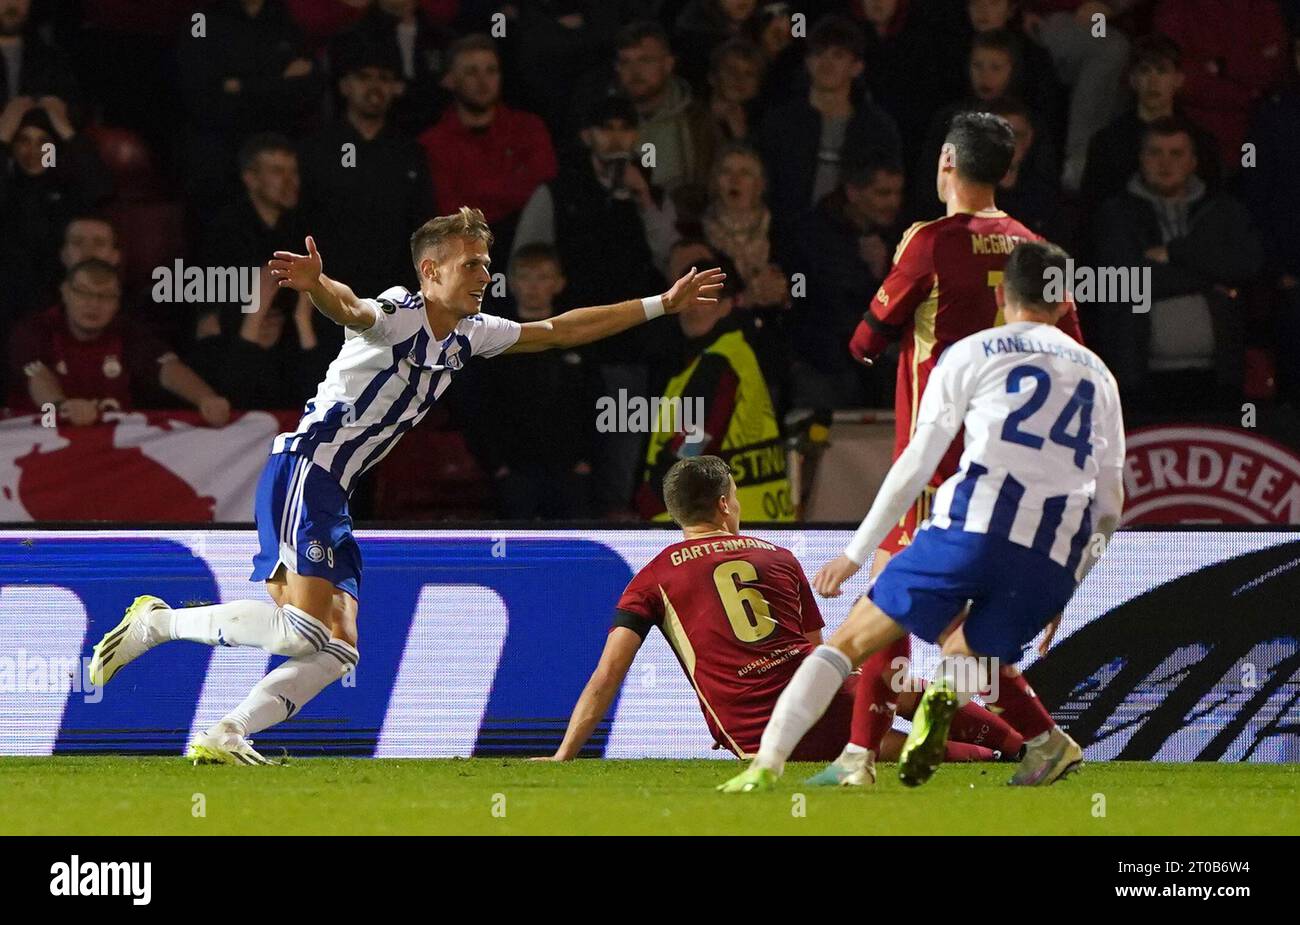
(452, 359)
(112, 367)
(315, 551)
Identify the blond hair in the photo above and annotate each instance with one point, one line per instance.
(465, 223)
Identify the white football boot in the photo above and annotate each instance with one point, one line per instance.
(124, 643)
(850, 769)
(223, 745)
(1059, 756)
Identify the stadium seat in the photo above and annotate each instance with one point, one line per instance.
(130, 161)
(151, 234)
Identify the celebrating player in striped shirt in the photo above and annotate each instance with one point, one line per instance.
(399, 355)
(1011, 534)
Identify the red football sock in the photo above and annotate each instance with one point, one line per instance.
(1019, 705)
(962, 751)
(876, 700)
(975, 725)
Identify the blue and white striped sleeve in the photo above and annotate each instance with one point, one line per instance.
(386, 330)
(490, 335)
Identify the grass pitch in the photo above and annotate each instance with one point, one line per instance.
(121, 796)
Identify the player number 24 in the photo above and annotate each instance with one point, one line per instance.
(749, 624)
(1080, 404)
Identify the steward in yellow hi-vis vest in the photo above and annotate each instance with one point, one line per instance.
(719, 405)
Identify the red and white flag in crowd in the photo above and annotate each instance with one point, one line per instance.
(136, 467)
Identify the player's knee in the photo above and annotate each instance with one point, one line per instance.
(300, 633)
(296, 647)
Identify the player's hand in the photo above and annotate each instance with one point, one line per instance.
(215, 411)
(1049, 634)
(79, 412)
(300, 272)
(833, 574)
(696, 288)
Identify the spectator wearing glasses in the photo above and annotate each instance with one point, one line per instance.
(84, 356)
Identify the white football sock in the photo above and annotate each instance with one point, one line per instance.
(287, 688)
(801, 704)
(280, 630)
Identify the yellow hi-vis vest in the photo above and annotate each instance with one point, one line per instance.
(751, 445)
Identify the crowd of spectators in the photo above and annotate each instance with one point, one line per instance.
(610, 143)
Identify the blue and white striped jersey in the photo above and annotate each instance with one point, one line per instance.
(1042, 417)
(383, 382)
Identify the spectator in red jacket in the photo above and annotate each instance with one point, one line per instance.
(1234, 53)
(84, 357)
(481, 152)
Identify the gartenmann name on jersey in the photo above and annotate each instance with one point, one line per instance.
(1018, 344)
(687, 553)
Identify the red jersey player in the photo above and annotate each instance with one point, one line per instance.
(739, 614)
(943, 287)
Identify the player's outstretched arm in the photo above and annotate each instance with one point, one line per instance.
(585, 325)
(305, 273)
(621, 647)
